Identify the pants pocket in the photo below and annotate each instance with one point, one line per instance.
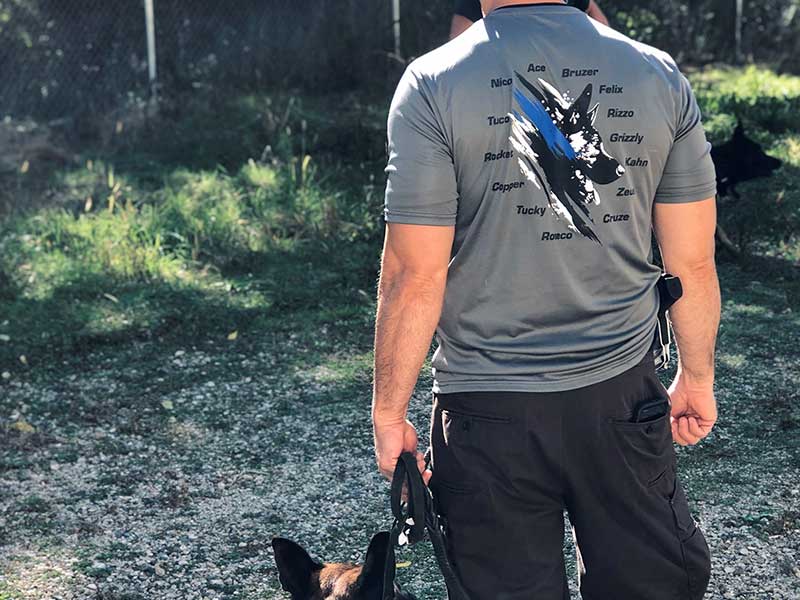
(473, 444)
(646, 448)
(694, 548)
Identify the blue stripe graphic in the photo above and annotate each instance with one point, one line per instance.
(555, 140)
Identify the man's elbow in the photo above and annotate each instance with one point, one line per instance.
(403, 284)
(702, 260)
(701, 268)
(413, 280)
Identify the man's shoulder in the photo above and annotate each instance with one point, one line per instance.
(458, 62)
(451, 57)
(657, 59)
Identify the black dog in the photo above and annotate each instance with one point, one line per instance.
(737, 160)
(560, 138)
(307, 579)
(740, 159)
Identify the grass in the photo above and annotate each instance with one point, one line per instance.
(7, 593)
(144, 241)
(769, 100)
(207, 253)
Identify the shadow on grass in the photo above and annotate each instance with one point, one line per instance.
(282, 292)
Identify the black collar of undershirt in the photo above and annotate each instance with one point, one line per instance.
(534, 4)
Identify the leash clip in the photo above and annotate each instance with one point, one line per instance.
(669, 291)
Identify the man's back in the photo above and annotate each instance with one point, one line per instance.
(545, 138)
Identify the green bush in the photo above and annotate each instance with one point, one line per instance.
(755, 94)
(204, 217)
(204, 214)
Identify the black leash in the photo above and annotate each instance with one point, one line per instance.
(412, 519)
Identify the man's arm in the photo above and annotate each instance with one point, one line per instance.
(597, 14)
(685, 234)
(410, 295)
(465, 14)
(459, 25)
(420, 210)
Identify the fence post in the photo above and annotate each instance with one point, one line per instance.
(150, 25)
(739, 11)
(396, 28)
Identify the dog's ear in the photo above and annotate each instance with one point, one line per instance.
(581, 105)
(370, 581)
(739, 131)
(295, 567)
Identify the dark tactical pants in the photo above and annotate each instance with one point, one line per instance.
(507, 464)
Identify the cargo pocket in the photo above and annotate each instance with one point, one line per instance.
(694, 548)
(646, 448)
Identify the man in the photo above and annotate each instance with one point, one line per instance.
(528, 160)
(468, 12)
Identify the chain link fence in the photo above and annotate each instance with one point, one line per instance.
(62, 58)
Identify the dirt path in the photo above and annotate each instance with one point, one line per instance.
(151, 473)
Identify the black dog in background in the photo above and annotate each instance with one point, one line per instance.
(740, 159)
(737, 160)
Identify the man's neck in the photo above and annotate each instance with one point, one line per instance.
(489, 5)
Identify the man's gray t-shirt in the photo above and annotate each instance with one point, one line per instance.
(544, 137)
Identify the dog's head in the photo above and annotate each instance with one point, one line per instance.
(578, 126)
(307, 579)
(741, 159)
(559, 147)
(575, 121)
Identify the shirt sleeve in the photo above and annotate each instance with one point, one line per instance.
(471, 9)
(689, 173)
(421, 182)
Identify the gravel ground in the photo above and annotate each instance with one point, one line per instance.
(152, 472)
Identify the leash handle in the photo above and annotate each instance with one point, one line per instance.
(420, 508)
(403, 472)
(406, 471)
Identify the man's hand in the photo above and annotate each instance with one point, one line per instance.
(391, 440)
(694, 409)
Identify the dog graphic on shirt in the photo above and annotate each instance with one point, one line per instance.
(561, 152)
